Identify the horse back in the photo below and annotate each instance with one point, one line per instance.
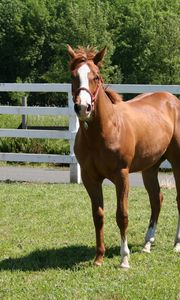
(162, 104)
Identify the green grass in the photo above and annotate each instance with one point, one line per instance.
(14, 121)
(47, 246)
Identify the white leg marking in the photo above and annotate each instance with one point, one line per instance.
(149, 239)
(84, 83)
(124, 254)
(177, 238)
(150, 233)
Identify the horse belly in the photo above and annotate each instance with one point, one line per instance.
(140, 164)
(149, 154)
(152, 140)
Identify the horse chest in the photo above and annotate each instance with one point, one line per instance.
(101, 165)
(97, 161)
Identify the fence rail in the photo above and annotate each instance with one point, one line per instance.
(35, 110)
(37, 134)
(34, 133)
(56, 111)
(66, 88)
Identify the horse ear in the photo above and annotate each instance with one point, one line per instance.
(99, 56)
(70, 51)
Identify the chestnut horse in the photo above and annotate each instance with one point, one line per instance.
(116, 138)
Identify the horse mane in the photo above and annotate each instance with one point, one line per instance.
(88, 52)
(82, 55)
(113, 96)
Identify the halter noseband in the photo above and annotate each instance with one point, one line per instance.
(92, 95)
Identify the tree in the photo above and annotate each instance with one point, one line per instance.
(82, 23)
(24, 30)
(142, 37)
(147, 41)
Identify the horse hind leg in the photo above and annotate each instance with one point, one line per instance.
(173, 155)
(177, 238)
(176, 171)
(150, 179)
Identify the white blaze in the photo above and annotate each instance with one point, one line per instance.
(84, 83)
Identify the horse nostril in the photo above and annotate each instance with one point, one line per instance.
(77, 108)
(89, 107)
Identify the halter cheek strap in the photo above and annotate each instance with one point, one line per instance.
(82, 89)
(92, 95)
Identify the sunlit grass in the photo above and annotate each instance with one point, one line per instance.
(48, 244)
(14, 121)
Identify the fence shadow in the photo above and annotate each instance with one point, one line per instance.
(62, 258)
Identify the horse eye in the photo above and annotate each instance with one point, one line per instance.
(96, 77)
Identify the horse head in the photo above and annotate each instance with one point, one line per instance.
(86, 79)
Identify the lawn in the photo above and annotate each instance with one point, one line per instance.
(47, 245)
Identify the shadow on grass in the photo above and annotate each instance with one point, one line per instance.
(63, 258)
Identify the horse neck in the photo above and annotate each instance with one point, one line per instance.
(104, 107)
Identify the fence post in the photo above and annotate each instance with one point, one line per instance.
(75, 173)
(24, 117)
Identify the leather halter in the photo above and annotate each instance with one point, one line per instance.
(92, 95)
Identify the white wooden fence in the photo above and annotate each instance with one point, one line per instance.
(68, 111)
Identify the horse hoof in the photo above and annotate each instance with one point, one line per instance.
(177, 247)
(124, 263)
(124, 266)
(147, 248)
(98, 262)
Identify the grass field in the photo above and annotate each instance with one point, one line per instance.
(47, 246)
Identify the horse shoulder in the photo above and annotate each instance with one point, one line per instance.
(80, 146)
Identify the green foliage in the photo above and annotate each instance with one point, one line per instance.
(142, 37)
(48, 245)
(16, 97)
(81, 23)
(148, 41)
(24, 29)
(28, 145)
(25, 145)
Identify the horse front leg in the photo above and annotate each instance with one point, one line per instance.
(94, 190)
(122, 187)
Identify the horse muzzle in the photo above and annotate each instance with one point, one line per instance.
(83, 111)
(84, 103)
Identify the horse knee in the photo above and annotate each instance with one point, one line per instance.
(98, 216)
(122, 221)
